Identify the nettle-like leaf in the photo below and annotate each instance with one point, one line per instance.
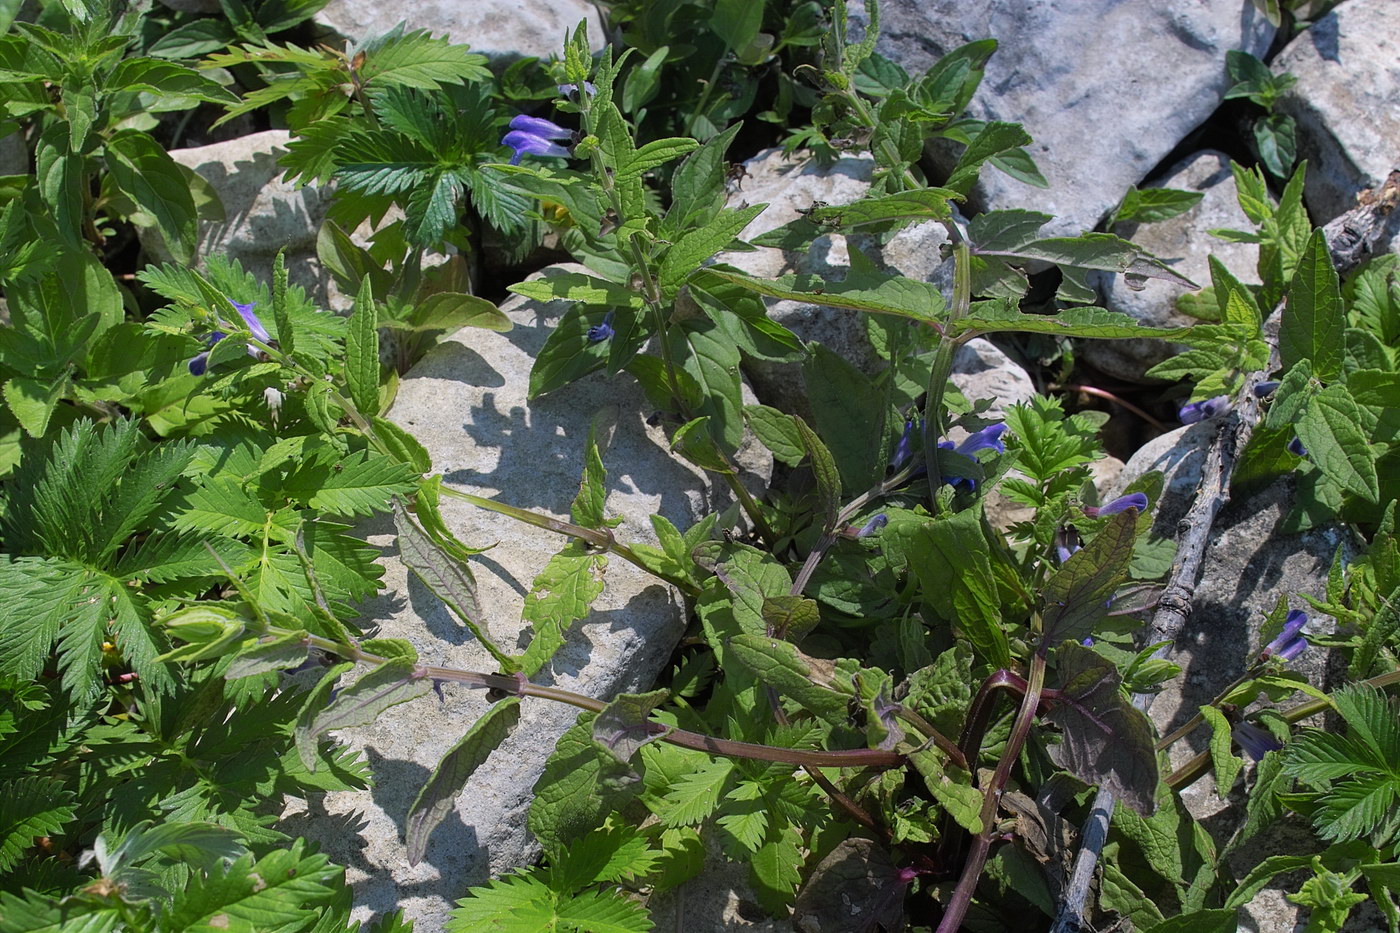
(1356, 775)
(1078, 594)
(1105, 740)
(560, 595)
(285, 889)
(30, 807)
(572, 796)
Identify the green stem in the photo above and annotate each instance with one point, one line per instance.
(728, 748)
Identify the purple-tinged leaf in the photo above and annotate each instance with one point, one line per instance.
(435, 800)
(1077, 595)
(856, 887)
(450, 580)
(624, 725)
(359, 704)
(1105, 739)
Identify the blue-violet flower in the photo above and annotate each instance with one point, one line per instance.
(1202, 411)
(905, 448)
(532, 135)
(1295, 446)
(1135, 500)
(200, 362)
(1254, 741)
(600, 332)
(250, 320)
(989, 438)
(1290, 642)
(874, 525)
(571, 90)
(1265, 389)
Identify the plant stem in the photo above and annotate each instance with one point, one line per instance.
(519, 686)
(1110, 397)
(602, 539)
(982, 842)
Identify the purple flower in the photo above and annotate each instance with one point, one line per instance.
(1265, 389)
(600, 332)
(1295, 446)
(1254, 741)
(1135, 500)
(1063, 553)
(874, 525)
(532, 135)
(250, 320)
(1202, 411)
(571, 90)
(199, 363)
(989, 438)
(1088, 642)
(905, 448)
(1290, 642)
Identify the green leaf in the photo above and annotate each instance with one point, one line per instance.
(570, 801)
(1078, 593)
(696, 246)
(1226, 763)
(1330, 429)
(775, 871)
(32, 402)
(849, 413)
(362, 352)
(824, 469)
(60, 177)
(167, 79)
(451, 311)
(778, 431)
(31, 807)
(1153, 205)
(360, 483)
(876, 294)
(790, 616)
(1200, 921)
(558, 597)
(779, 665)
(588, 506)
(440, 793)
(624, 725)
(147, 174)
(990, 317)
(568, 354)
(281, 315)
(952, 559)
(697, 187)
(417, 60)
(282, 890)
(691, 799)
(1314, 320)
(993, 139)
(450, 580)
(737, 22)
(402, 445)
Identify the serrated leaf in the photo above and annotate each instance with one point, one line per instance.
(1078, 593)
(691, 799)
(877, 294)
(570, 799)
(775, 872)
(1314, 320)
(1106, 740)
(696, 246)
(1153, 205)
(31, 807)
(559, 597)
(417, 60)
(1222, 756)
(357, 484)
(438, 795)
(282, 890)
(362, 352)
(146, 173)
(1330, 430)
(32, 402)
(777, 664)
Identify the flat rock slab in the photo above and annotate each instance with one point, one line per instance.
(1184, 242)
(466, 401)
(1106, 88)
(497, 29)
(1348, 93)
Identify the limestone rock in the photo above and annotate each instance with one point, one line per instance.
(495, 28)
(262, 213)
(466, 402)
(1106, 88)
(1249, 564)
(1348, 91)
(1182, 240)
(14, 157)
(790, 185)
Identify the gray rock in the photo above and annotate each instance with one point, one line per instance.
(466, 401)
(261, 213)
(1348, 91)
(789, 185)
(1182, 240)
(497, 29)
(1249, 564)
(1105, 87)
(14, 156)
